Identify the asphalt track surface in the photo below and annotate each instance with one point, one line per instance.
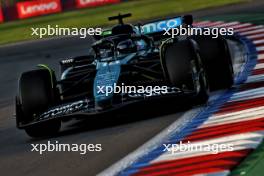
(118, 135)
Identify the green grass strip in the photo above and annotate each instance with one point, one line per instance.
(253, 165)
(141, 10)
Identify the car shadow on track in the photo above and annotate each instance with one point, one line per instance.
(131, 114)
(124, 116)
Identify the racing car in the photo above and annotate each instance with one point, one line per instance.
(138, 56)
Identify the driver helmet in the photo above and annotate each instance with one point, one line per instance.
(126, 46)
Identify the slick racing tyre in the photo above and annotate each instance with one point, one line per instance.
(217, 61)
(184, 69)
(37, 92)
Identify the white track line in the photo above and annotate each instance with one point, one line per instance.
(243, 26)
(233, 119)
(252, 31)
(239, 141)
(174, 128)
(239, 114)
(235, 23)
(256, 113)
(255, 36)
(200, 23)
(258, 41)
(222, 173)
(246, 97)
(211, 24)
(260, 48)
(255, 78)
(259, 66)
(245, 93)
(260, 56)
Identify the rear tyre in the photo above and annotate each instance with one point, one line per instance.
(203, 93)
(37, 92)
(184, 69)
(217, 61)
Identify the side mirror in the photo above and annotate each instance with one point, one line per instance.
(187, 19)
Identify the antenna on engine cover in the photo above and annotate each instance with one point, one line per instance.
(120, 17)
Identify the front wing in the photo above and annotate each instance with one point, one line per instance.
(86, 108)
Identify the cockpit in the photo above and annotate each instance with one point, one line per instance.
(119, 45)
(122, 39)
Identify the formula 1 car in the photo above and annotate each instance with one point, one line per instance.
(129, 64)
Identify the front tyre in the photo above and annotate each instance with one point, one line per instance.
(37, 92)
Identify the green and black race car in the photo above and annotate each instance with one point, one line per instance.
(153, 67)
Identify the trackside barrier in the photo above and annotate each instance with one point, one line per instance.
(235, 118)
(94, 3)
(1, 15)
(37, 8)
(33, 8)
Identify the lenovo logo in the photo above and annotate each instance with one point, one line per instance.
(37, 8)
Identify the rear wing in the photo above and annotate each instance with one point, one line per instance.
(155, 27)
(165, 24)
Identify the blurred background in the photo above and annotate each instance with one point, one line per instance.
(18, 16)
(19, 52)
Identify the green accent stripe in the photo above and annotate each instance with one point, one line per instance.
(50, 71)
